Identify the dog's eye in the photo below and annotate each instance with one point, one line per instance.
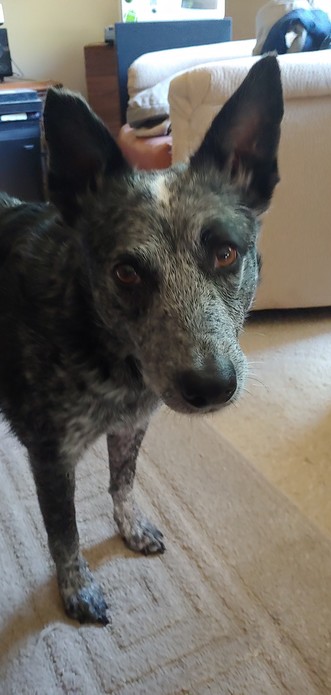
(225, 256)
(127, 275)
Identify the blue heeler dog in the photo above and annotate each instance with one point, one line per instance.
(128, 290)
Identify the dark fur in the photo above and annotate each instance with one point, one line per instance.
(84, 354)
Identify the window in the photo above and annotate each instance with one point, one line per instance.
(158, 10)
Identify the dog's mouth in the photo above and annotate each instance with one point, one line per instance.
(198, 407)
(195, 391)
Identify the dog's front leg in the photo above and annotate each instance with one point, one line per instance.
(82, 596)
(138, 532)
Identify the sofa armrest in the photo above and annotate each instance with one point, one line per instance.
(151, 68)
(204, 89)
(296, 241)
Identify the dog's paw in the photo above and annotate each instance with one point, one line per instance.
(83, 597)
(136, 530)
(144, 537)
(138, 533)
(87, 605)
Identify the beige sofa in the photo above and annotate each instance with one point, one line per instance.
(296, 239)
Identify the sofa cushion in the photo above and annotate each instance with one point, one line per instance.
(149, 104)
(151, 68)
(150, 75)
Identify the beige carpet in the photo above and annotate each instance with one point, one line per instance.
(240, 603)
(282, 423)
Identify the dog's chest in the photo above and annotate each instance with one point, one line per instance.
(104, 407)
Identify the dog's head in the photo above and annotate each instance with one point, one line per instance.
(171, 255)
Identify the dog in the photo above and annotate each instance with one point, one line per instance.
(126, 290)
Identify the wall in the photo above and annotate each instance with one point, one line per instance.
(47, 37)
(243, 14)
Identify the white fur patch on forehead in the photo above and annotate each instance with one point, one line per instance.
(159, 189)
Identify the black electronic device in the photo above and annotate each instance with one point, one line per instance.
(21, 170)
(6, 69)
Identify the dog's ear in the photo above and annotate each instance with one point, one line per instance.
(243, 138)
(81, 151)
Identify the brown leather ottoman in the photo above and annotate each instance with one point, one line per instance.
(145, 153)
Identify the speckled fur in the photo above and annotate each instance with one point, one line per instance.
(82, 354)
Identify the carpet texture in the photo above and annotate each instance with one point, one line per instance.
(239, 604)
(282, 422)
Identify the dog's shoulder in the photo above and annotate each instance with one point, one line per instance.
(20, 223)
(39, 262)
(33, 237)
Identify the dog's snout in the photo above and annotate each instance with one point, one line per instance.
(213, 384)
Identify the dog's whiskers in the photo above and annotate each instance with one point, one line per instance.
(255, 381)
(246, 390)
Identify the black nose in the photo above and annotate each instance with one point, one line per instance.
(213, 384)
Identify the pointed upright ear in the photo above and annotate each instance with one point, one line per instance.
(81, 151)
(243, 139)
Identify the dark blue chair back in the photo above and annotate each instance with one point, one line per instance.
(134, 39)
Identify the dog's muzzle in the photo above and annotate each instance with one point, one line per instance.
(209, 387)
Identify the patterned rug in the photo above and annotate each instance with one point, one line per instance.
(239, 604)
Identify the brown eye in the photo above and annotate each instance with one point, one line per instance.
(225, 256)
(127, 275)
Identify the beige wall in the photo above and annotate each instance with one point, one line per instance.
(243, 13)
(47, 36)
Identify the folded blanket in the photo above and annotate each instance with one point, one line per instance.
(278, 29)
(312, 26)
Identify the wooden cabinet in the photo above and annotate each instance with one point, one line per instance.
(102, 84)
